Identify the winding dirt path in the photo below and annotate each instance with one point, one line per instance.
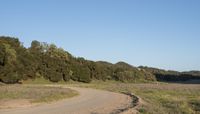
(90, 101)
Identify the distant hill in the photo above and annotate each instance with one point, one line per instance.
(18, 63)
(164, 75)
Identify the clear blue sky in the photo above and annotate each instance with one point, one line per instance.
(157, 33)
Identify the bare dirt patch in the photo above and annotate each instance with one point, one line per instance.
(15, 103)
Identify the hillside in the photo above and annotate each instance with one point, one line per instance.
(18, 63)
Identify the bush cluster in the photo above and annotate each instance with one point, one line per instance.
(18, 63)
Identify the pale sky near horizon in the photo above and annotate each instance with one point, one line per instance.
(156, 33)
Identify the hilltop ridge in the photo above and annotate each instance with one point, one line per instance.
(18, 63)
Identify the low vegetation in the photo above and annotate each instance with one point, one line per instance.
(159, 98)
(34, 94)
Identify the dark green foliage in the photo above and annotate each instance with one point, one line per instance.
(195, 106)
(18, 63)
(2, 55)
(81, 74)
(103, 71)
(66, 72)
(10, 66)
(10, 77)
(79, 70)
(163, 75)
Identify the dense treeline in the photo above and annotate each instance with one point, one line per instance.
(18, 63)
(163, 75)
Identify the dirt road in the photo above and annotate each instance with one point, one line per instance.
(90, 101)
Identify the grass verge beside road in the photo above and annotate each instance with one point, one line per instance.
(33, 93)
(159, 98)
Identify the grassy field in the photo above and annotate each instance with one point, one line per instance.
(33, 93)
(159, 98)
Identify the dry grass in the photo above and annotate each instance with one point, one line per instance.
(159, 98)
(35, 94)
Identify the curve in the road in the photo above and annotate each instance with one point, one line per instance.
(90, 101)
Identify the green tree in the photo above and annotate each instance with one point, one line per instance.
(9, 64)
